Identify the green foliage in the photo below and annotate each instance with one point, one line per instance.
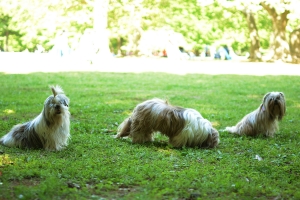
(95, 165)
(38, 22)
(6, 31)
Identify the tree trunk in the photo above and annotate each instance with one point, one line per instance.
(255, 54)
(280, 46)
(100, 28)
(135, 31)
(120, 41)
(6, 40)
(295, 45)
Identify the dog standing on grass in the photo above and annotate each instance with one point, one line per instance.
(183, 126)
(264, 120)
(50, 130)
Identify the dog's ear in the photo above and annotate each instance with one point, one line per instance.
(282, 107)
(282, 95)
(262, 107)
(266, 96)
(66, 102)
(56, 90)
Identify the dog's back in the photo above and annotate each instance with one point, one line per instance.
(23, 136)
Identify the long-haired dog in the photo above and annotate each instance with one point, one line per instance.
(50, 130)
(264, 120)
(183, 126)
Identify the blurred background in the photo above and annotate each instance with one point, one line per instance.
(258, 30)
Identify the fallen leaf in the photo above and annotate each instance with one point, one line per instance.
(257, 157)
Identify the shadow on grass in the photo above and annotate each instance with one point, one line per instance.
(156, 143)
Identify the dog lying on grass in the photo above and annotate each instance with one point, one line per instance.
(49, 130)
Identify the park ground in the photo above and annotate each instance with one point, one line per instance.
(20, 63)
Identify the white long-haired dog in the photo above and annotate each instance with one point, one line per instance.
(50, 130)
(264, 120)
(183, 126)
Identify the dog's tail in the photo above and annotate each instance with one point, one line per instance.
(231, 129)
(124, 128)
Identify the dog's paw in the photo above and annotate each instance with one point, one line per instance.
(115, 136)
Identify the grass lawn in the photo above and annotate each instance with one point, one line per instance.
(97, 166)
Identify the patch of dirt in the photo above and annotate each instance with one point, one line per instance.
(28, 182)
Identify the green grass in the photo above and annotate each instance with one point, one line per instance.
(97, 166)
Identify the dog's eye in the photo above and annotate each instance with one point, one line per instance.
(65, 103)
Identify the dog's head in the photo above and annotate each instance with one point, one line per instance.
(274, 104)
(56, 105)
(212, 140)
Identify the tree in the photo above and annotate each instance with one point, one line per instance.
(255, 53)
(100, 27)
(4, 31)
(10, 36)
(295, 45)
(123, 21)
(278, 11)
(247, 8)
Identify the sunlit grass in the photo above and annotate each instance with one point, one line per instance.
(95, 165)
(8, 111)
(5, 160)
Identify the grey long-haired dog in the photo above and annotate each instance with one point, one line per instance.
(183, 126)
(264, 120)
(50, 130)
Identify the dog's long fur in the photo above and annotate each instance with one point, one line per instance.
(264, 120)
(50, 130)
(183, 126)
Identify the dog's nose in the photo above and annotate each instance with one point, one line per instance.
(57, 107)
(277, 100)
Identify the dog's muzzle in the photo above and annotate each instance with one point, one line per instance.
(57, 109)
(277, 100)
